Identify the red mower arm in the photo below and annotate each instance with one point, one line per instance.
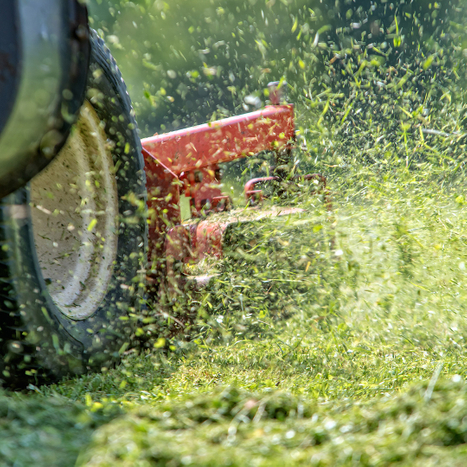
(189, 158)
(224, 140)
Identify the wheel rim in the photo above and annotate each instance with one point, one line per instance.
(74, 205)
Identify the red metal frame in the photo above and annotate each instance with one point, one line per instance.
(186, 161)
(225, 140)
(194, 154)
(163, 188)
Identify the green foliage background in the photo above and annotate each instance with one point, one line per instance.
(187, 62)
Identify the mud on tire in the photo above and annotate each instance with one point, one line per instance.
(72, 243)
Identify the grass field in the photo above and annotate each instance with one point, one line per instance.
(329, 340)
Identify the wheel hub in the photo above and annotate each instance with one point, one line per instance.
(74, 204)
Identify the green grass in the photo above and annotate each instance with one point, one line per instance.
(327, 338)
(352, 369)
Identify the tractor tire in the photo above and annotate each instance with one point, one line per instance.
(73, 243)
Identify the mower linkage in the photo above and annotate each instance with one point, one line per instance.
(187, 162)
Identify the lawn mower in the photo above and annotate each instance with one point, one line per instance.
(80, 237)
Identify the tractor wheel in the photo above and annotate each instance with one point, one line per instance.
(73, 242)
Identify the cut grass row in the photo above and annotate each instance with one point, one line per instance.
(352, 369)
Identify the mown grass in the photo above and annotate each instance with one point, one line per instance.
(364, 365)
(326, 338)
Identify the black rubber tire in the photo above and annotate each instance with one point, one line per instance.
(37, 342)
